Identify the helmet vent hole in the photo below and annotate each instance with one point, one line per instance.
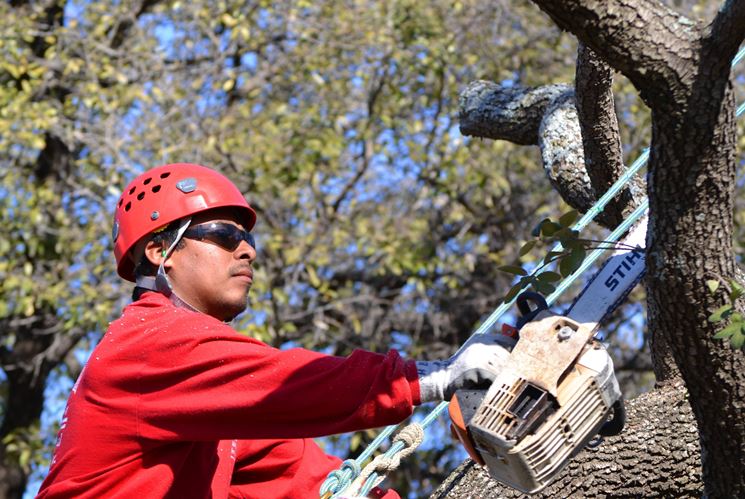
(147, 181)
(128, 206)
(120, 202)
(165, 175)
(156, 188)
(132, 190)
(140, 196)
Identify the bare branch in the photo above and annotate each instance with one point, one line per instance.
(61, 346)
(561, 151)
(601, 140)
(727, 30)
(376, 87)
(546, 116)
(509, 113)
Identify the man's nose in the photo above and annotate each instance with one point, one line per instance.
(245, 251)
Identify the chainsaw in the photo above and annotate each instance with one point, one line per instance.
(558, 391)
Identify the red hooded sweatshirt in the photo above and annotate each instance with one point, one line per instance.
(174, 403)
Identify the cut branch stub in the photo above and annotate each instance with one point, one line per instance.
(512, 113)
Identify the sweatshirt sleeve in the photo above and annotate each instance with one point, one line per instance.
(224, 385)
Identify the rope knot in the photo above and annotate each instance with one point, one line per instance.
(339, 480)
(410, 437)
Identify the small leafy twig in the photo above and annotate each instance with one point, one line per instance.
(735, 330)
(569, 258)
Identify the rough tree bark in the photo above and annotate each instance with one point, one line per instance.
(682, 72)
(601, 141)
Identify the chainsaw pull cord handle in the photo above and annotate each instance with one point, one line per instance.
(615, 424)
(527, 313)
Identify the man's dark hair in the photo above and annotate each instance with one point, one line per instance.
(145, 267)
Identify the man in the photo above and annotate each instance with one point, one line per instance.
(175, 403)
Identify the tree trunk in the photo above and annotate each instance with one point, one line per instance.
(12, 477)
(690, 241)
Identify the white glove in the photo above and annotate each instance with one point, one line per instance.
(475, 365)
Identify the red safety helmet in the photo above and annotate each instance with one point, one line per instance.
(166, 193)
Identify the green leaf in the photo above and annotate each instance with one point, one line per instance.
(737, 340)
(523, 283)
(544, 287)
(568, 218)
(355, 441)
(24, 458)
(513, 269)
(537, 229)
(512, 293)
(550, 228)
(728, 331)
(721, 313)
(713, 285)
(526, 281)
(568, 239)
(525, 249)
(571, 262)
(737, 291)
(312, 276)
(548, 276)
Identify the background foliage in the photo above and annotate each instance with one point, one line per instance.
(379, 227)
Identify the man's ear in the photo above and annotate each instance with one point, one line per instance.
(155, 253)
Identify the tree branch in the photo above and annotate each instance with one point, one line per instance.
(560, 141)
(52, 17)
(508, 113)
(645, 40)
(601, 140)
(545, 116)
(727, 30)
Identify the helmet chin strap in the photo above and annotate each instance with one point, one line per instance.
(160, 282)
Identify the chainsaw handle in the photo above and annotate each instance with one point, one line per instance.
(615, 425)
(524, 301)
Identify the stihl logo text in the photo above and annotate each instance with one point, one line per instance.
(623, 269)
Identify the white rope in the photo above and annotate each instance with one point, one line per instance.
(411, 437)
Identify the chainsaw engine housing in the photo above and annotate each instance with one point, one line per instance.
(554, 394)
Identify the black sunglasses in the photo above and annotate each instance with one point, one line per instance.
(227, 236)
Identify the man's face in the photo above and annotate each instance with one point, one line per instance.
(209, 277)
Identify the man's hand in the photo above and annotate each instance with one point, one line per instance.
(476, 365)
